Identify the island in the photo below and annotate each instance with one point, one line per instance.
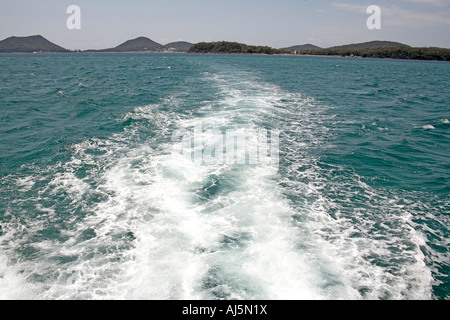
(383, 50)
(144, 44)
(29, 45)
(372, 49)
(232, 47)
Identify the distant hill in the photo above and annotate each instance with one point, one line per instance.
(231, 47)
(383, 50)
(372, 49)
(141, 44)
(29, 44)
(302, 47)
(179, 46)
(371, 45)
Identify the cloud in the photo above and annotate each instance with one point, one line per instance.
(351, 7)
(394, 15)
(439, 3)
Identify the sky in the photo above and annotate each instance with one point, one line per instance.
(276, 23)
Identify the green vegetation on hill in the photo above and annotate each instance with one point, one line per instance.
(29, 44)
(141, 44)
(302, 47)
(383, 50)
(232, 47)
(179, 46)
(388, 50)
(438, 54)
(373, 49)
(370, 45)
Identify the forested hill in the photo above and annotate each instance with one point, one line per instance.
(373, 49)
(141, 44)
(28, 45)
(232, 47)
(437, 54)
(371, 45)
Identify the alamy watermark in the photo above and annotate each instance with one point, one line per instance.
(231, 147)
(74, 20)
(374, 21)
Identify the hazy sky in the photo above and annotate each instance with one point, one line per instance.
(277, 23)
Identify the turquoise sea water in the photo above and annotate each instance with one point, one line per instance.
(96, 202)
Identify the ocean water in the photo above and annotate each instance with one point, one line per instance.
(98, 202)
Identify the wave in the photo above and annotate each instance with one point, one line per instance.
(130, 217)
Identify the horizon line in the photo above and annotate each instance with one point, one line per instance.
(212, 41)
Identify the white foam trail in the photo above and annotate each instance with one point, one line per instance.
(182, 244)
(371, 245)
(12, 285)
(166, 227)
(179, 242)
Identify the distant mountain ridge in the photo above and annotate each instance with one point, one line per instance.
(372, 49)
(382, 50)
(29, 45)
(38, 43)
(144, 44)
(179, 46)
(307, 46)
(371, 45)
(362, 45)
(141, 44)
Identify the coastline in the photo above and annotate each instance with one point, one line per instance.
(142, 45)
(215, 53)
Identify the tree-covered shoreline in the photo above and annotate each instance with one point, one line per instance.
(232, 47)
(372, 49)
(401, 52)
(408, 53)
